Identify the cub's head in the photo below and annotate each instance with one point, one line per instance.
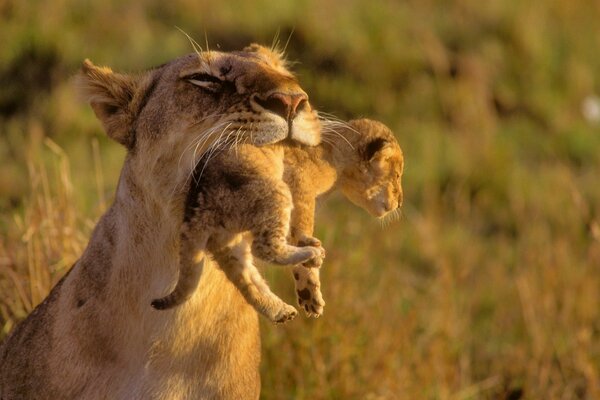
(167, 116)
(372, 178)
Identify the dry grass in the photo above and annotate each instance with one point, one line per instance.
(489, 285)
(44, 240)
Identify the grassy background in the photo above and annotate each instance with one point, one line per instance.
(487, 288)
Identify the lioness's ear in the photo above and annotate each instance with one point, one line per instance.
(110, 94)
(377, 149)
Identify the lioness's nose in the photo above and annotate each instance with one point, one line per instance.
(284, 104)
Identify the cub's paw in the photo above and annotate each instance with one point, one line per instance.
(309, 241)
(312, 301)
(308, 290)
(311, 257)
(285, 314)
(317, 260)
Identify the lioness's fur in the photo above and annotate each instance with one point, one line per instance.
(95, 336)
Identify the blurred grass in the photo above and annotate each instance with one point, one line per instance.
(487, 288)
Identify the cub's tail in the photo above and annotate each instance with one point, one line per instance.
(190, 271)
(186, 285)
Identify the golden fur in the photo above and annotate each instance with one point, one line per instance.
(361, 158)
(239, 190)
(95, 336)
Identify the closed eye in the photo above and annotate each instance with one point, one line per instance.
(205, 81)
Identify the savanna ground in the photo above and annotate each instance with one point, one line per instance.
(488, 287)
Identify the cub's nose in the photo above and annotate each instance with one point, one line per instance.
(284, 104)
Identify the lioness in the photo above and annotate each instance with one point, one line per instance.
(94, 336)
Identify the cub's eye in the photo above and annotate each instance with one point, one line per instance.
(205, 81)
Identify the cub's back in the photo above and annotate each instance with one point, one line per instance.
(224, 181)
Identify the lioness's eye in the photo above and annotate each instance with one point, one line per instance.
(205, 81)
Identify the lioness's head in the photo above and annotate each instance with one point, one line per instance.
(168, 115)
(373, 180)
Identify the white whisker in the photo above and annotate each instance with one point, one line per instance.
(206, 137)
(275, 41)
(194, 44)
(201, 138)
(332, 124)
(211, 151)
(288, 41)
(333, 133)
(198, 137)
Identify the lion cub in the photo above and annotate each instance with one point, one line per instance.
(233, 191)
(362, 158)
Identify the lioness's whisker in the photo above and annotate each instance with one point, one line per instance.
(199, 137)
(251, 130)
(207, 152)
(203, 141)
(197, 48)
(206, 134)
(333, 121)
(239, 137)
(210, 152)
(332, 133)
(199, 141)
(328, 141)
(275, 41)
(226, 140)
(215, 144)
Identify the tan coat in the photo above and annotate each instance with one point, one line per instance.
(95, 336)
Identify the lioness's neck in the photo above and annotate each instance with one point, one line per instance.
(134, 251)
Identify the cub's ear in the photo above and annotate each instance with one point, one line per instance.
(111, 96)
(377, 149)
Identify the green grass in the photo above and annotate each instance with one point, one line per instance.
(487, 288)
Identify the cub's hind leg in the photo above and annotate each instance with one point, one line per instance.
(236, 262)
(270, 225)
(308, 290)
(308, 283)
